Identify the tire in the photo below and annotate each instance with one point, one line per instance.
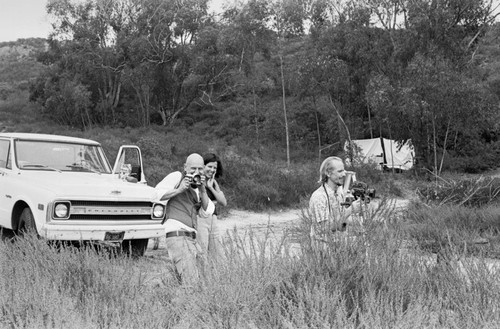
(135, 248)
(26, 223)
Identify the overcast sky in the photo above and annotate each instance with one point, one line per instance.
(28, 19)
(22, 19)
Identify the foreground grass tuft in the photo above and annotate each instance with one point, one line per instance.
(65, 287)
(470, 192)
(379, 279)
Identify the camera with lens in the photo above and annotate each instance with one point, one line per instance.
(194, 179)
(361, 191)
(358, 190)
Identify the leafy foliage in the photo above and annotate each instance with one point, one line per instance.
(411, 70)
(453, 231)
(258, 185)
(470, 192)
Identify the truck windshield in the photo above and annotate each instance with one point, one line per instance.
(57, 156)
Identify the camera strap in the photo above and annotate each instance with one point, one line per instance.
(328, 200)
(343, 227)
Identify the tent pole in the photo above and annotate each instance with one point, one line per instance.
(383, 152)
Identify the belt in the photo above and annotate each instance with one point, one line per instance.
(181, 233)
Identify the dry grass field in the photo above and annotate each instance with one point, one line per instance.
(269, 278)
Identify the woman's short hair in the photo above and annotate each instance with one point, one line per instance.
(324, 166)
(211, 157)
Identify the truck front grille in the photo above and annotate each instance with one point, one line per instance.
(106, 217)
(110, 210)
(111, 203)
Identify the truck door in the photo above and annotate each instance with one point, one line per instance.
(129, 164)
(6, 192)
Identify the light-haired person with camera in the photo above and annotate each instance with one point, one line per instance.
(329, 212)
(187, 198)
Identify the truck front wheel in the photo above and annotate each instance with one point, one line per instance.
(26, 223)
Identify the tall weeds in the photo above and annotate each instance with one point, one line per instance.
(470, 192)
(375, 280)
(48, 287)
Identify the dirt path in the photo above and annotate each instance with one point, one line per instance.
(274, 223)
(242, 220)
(271, 223)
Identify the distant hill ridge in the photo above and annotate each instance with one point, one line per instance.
(18, 64)
(22, 49)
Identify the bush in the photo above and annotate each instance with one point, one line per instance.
(475, 157)
(15, 110)
(470, 192)
(386, 183)
(259, 185)
(65, 101)
(456, 228)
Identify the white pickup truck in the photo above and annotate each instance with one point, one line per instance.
(65, 189)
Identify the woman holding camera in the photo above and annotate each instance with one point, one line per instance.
(208, 231)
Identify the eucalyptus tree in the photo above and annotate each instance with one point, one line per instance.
(87, 36)
(317, 83)
(438, 89)
(364, 51)
(288, 18)
(134, 56)
(244, 35)
(443, 111)
(165, 47)
(451, 28)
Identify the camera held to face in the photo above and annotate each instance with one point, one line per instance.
(359, 190)
(194, 179)
(356, 190)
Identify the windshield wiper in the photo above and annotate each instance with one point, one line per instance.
(33, 165)
(78, 166)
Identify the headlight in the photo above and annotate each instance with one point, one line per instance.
(158, 211)
(61, 210)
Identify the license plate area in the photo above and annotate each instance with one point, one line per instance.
(114, 236)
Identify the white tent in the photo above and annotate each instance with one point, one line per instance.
(384, 152)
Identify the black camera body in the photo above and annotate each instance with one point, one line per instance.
(195, 180)
(361, 191)
(358, 190)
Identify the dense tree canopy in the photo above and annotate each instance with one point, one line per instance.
(403, 69)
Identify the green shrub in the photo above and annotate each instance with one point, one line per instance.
(456, 228)
(474, 157)
(386, 184)
(259, 185)
(471, 192)
(15, 111)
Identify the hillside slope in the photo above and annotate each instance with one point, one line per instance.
(18, 64)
